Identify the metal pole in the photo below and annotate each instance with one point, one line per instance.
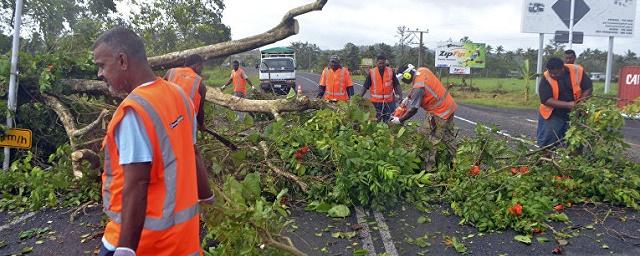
(573, 10)
(540, 58)
(13, 78)
(420, 51)
(607, 82)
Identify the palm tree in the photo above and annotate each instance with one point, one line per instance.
(499, 50)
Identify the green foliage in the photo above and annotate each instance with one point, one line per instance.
(241, 217)
(590, 168)
(173, 25)
(360, 161)
(29, 187)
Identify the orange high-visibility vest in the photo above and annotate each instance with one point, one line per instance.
(189, 81)
(171, 225)
(337, 82)
(575, 72)
(323, 77)
(239, 82)
(436, 100)
(381, 86)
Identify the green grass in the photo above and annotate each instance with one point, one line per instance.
(218, 76)
(505, 92)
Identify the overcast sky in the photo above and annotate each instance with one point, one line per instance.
(495, 22)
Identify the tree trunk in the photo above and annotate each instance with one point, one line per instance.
(287, 27)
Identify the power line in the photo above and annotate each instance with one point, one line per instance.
(421, 32)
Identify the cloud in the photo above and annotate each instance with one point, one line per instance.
(496, 22)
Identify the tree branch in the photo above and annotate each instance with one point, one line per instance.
(93, 87)
(265, 151)
(65, 116)
(92, 125)
(215, 96)
(287, 27)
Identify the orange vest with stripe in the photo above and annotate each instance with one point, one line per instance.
(189, 81)
(381, 86)
(575, 72)
(337, 82)
(239, 82)
(323, 77)
(436, 100)
(171, 224)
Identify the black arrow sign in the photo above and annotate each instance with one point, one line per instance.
(563, 10)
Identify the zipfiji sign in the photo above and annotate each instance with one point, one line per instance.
(16, 138)
(458, 54)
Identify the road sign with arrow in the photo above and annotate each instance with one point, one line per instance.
(591, 17)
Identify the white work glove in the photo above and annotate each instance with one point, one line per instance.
(405, 101)
(395, 120)
(222, 88)
(124, 251)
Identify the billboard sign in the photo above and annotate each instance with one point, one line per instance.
(591, 17)
(458, 54)
(459, 70)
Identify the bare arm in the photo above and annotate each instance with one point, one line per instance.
(560, 104)
(134, 203)
(410, 113)
(204, 190)
(229, 82)
(397, 90)
(202, 90)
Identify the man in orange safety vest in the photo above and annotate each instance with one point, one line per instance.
(153, 178)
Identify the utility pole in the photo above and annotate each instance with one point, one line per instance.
(421, 43)
(12, 101)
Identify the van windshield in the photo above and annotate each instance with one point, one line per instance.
(277, 64)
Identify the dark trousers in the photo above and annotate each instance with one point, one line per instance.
(551, 130)
(384, 110)
(104, 251)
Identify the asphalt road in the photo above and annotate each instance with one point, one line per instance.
(600, 229)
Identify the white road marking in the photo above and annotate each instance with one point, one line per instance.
(389, 247)
(312, 82)
(367, 242)
(501, 132)
(16, 221)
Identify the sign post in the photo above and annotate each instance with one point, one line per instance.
(13, 78)
(589, 17)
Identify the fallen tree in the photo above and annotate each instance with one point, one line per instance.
(288, 26)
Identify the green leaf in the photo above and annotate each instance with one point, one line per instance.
(542, 239)
(360, 252)
(422, 241)
(239, 156)
(523, 239)
(460, 247)
(251, 184)
(424, 219)
(400, 132)
(339, 211)
(291, 94)
(559, 217)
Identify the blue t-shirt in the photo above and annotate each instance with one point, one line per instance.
(132, 140)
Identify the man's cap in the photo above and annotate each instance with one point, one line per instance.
(334, 58)
(381, 57)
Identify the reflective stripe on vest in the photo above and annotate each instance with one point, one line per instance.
(169, 216)
(341, 85)
(373, 75)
